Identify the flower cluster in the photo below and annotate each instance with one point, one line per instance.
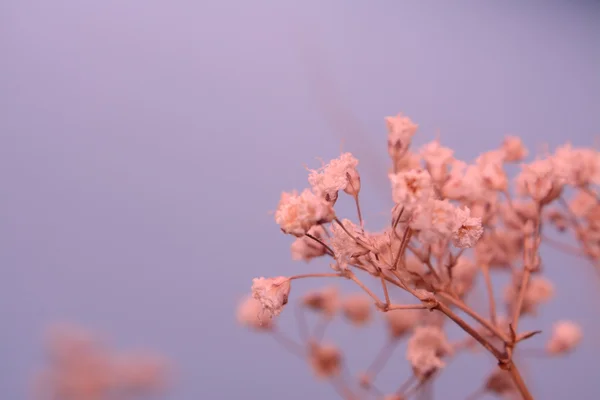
(454, 224)
(82, 368)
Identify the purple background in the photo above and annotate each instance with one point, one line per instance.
(142, 144)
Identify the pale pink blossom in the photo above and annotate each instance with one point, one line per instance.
(577, 166)
(296, 214)
(425, 349)
(540, 181)
(401, 322)
(435, 220)
(339, 174)
(139, 371)
(500, 382)
(464, 182)
(251, 314)
(400, 132)
(272, 293)
(325, 300)
(491, 170)
(437, 159)
(406, 162)
(326, 360)
(566, 335)
(357, 308)
(464, 273)
(469, 230)
(82, 367)
(306, 248)
(538, 291)
(410, 188)
(513, 149)
(582, 203)
(345, 248)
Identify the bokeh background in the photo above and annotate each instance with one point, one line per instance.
(143, 144)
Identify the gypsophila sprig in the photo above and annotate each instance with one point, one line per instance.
(454, 225)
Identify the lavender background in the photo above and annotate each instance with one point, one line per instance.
(142, 144)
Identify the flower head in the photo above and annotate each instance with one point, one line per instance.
(577, 166)
(339, 174)
(326, 360)
(306, 248)
(469, 231)
(357, 308)
(251, 313)
(400, 132)
(566, 335)
(401, 322)
(325, 300)
(296, 214)
(513, 149)
(409, 188)
(437, 159)
(272, 293)
(425, 349)
(435, 220)
(540, 181)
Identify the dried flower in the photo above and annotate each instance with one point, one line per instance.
(469, 231)
(540, 181)
(499, 382)
(357, 308)
(400, 132)
(82, 368)
(513, 149)
(339, 174)
(410, 188)
(437, 159)
(272, 293)
(578, 167)
(326, 360)
(463, 276)
(306, 248)
(324, 300)
(250, 313)
(491, 172)
(539, 290)
(344, 246)
(139, 372)
(296, 214)
(401, 322)
(566, 335)
(582, 203)
(425, 349)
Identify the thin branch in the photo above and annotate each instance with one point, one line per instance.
(288, 343)
(317, 275)
(329, 249)
(321, 328)
(519, 382)
(467, 328)
(385, 289)
(565, 248)
(381, 359)
(405, 239)
(490, 291)
(366, 289)
(466, 309)
(407, 307)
